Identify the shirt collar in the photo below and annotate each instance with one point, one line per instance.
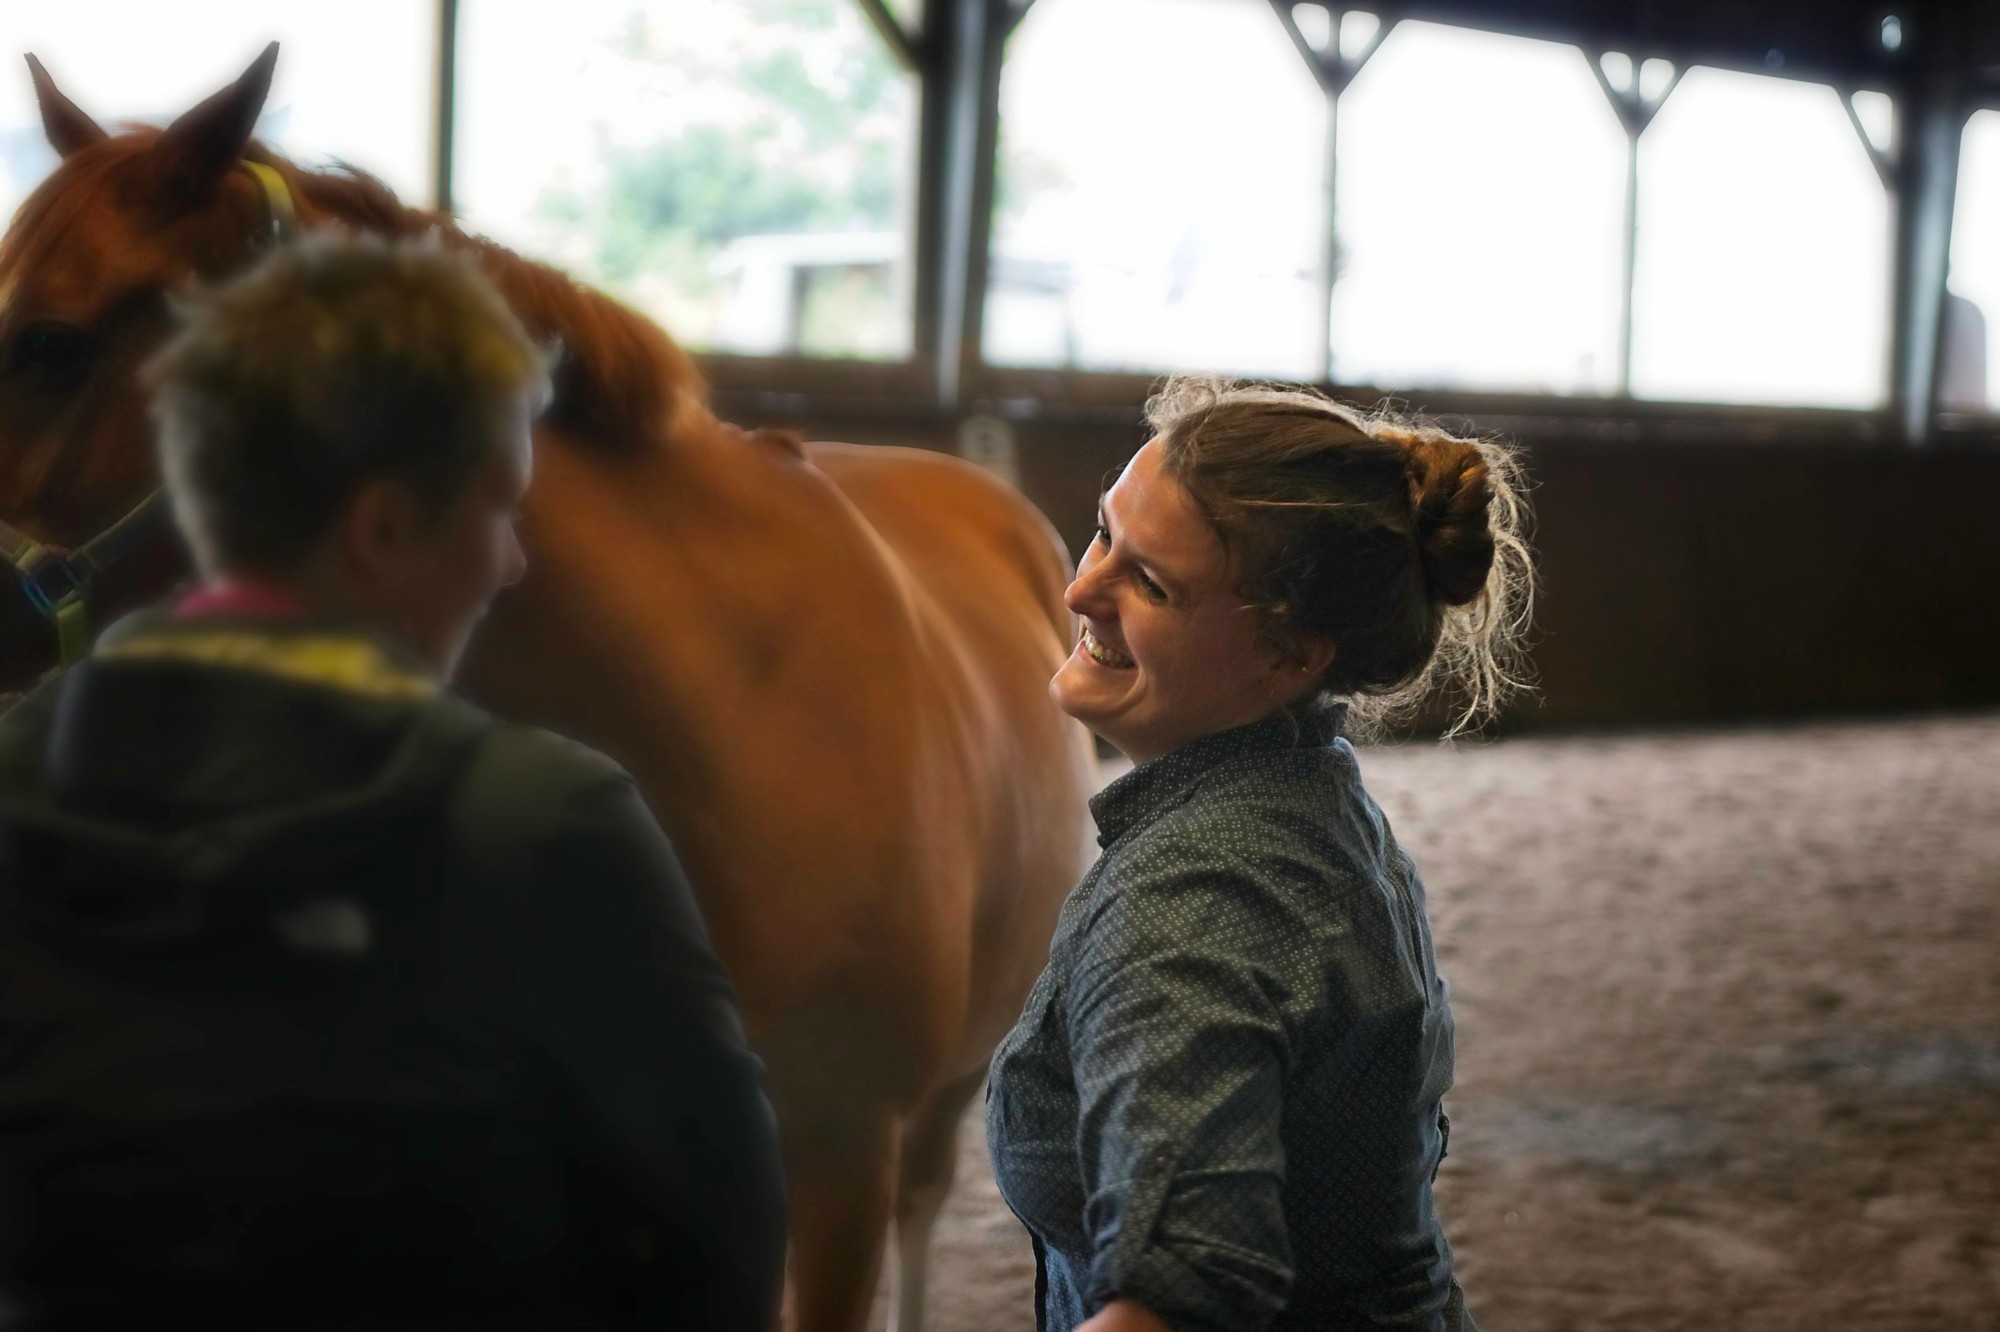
(1158, 784)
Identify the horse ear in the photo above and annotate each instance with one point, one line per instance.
(202, 146)
(63, 121)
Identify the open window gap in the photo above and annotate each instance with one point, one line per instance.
(1361, 34)
(1316, 24)
(1616, 73)
(1658, 77)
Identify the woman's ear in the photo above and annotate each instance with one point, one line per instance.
(1302, 663)
(1317, 656)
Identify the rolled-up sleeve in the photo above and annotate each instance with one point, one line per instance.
(1180, 1042)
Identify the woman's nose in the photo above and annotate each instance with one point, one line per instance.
(1085, 594)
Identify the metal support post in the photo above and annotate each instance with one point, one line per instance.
(1927, 186)
(445, 112)
(1635, 111)
(1334, 71)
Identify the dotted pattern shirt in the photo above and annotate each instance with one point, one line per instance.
(1224, 1096)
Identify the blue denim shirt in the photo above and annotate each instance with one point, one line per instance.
(1223, 1098)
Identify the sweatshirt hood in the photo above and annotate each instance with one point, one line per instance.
(188, 761)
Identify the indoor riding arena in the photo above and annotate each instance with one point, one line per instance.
(1717, 895)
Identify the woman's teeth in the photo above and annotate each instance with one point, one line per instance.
(1105, 656)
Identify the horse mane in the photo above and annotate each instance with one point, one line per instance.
(619, 379)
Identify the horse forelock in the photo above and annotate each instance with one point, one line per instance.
(59, 211)
(101, 228)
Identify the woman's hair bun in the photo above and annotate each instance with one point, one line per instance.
(1396, 541)
(1450, 495)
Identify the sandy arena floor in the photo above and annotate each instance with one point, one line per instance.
(1729, 1024)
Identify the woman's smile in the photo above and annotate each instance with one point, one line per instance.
(1103, 654)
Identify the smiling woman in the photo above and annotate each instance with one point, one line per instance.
(1272, 546)
(1167, 652)
(1222, 1106)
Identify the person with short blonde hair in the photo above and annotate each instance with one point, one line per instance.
(353, 1006)
(342, 365)
(1223, 1104)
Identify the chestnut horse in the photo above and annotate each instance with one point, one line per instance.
(826, 665)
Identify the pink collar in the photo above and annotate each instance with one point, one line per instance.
(237, 597)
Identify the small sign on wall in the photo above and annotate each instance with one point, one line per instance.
(989, 442)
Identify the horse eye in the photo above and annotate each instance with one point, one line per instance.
(59, 353)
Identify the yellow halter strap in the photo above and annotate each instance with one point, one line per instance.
(280, 212)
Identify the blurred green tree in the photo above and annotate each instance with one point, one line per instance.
(795, 119)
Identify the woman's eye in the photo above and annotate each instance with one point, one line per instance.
(1103, 535)
(1151, 588)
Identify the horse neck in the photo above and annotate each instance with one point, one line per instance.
(620, 381)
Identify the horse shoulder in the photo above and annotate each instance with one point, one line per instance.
(956, 525)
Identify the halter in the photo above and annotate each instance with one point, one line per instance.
(60, 583)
